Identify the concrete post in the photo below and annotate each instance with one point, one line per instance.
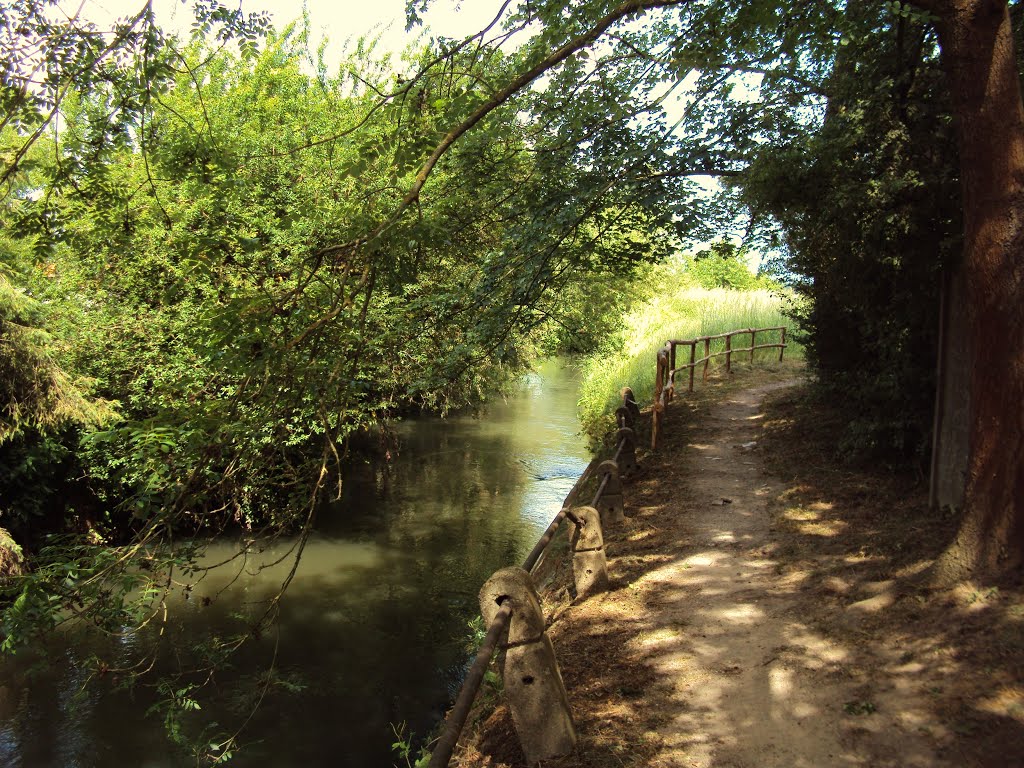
(623, 417)
(610, 503)
(630, 404)
(627, 456)
(589, 564)
(533, 685)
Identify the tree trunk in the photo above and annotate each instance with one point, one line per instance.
(977, 52)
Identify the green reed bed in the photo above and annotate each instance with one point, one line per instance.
(685, 313)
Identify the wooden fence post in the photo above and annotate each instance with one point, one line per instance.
(669, 393)
(693, 356)
(658, 410)
(589, 563)
(659, 376)
(671, 372)
(533, 685)
(753, 335)
(728, 353)
(783, 342)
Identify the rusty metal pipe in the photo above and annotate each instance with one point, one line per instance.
(539, 547)
(460, 712)
(600, 490)
(574, 519)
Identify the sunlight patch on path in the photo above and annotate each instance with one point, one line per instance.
(747, 681)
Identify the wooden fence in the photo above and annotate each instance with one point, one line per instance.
(665, 379)
(509, 602)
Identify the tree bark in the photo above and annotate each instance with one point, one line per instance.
(977, 53)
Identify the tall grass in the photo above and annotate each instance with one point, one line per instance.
(682, 312)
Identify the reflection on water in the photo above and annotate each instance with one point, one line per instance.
(373, 626)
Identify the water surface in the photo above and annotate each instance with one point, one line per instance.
(373, 628)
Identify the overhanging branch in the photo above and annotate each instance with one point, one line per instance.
(556, 57)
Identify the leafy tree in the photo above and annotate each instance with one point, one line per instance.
(869, 209)
(253, 265)
(218, 267)
(723, 265)
(793, 49)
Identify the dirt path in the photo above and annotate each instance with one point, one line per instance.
(752, 682)
(756, 689)
(756, 623)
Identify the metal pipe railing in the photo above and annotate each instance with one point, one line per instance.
(663, 394)
(460, 712)
(545, 539)
(600, 490)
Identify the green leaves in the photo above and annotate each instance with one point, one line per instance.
(863, 239)
(256, 264)
(859, 708)
(910, 12)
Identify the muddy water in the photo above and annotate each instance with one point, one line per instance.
(372, 631)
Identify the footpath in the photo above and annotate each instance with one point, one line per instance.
(750, 624)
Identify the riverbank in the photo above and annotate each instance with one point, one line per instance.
(763, 611)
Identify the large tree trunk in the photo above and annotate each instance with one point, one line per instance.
(977, 52)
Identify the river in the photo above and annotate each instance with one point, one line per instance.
(373, 629)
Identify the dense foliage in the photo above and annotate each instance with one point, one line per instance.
(220, 278)
(208, 268)
(685, 299)
(869, 209)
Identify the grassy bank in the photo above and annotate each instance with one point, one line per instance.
(684, 312)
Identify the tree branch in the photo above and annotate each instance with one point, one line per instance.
(624, 10)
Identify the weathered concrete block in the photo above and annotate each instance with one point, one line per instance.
(630, 404)
(590, 573)
(589, 562)
(533, 685)
(539, 704)
(515, 584)
(612, 510)
(610, 468)
(627, 456)
(589, 535)
(624, 417)
(610, 502)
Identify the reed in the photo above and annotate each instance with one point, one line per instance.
(683, 313)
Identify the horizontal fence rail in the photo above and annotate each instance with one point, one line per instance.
(665, 379)
(509, 602)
